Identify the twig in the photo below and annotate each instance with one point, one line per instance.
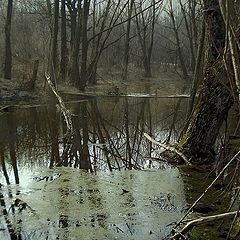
(126, 20)
(168, 147)
(233, 223)
(206, 190)
(203, 220)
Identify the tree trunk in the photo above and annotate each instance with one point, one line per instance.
(98, 41)
(83, 75)
(55, 40)
(63, 64)
(150, 48)
(189, 35)
(127, 41)
(147, 66)
(8, 50)
(198, 72)
(192, 5)
(73, 12)
(74, 69)
(34, 75)
(92, 73)
(198, 138)
(178, 42)
(146, 36)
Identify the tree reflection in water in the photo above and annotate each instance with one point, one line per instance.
(107, 135)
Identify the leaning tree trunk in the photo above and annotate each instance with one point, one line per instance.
(199, 136)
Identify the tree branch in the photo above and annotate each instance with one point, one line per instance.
(203, 220)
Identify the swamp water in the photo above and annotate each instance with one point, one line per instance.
(102, 182)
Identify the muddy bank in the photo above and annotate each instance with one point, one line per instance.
(13, 92)
(17, 92)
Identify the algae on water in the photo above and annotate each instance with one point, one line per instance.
(74, 204)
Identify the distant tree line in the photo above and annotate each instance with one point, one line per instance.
(72, 39)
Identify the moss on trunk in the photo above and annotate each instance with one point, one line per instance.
(198, 139)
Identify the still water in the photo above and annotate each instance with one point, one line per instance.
(99, 182)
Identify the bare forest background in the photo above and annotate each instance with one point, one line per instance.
(80, 42)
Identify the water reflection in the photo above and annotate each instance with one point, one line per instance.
(107, 136)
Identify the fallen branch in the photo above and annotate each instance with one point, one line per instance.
(7, 108)
(168, 147)
(66, 113)
(68, 119)
(203, 220)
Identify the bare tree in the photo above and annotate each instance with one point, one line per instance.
(75, 45)
(83, 74)
(8, 49)
(188, 24)
(175, 28)
(198, 138)
(145, 23)
(54, 56)
(107, 21)
(127, 40)
(63, 64)
(198, 72)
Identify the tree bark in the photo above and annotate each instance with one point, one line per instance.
(189, 35)
(99, 39)
(74, 69)
(127, 41)
(178, 42)
(199, 136)
(83, 75)
(55, 39)
(145, 38)
(34, 75)
(8, 49)
(63, 64)
(73, 12)
(198, 72)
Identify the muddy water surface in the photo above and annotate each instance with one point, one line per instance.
(102, 182)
